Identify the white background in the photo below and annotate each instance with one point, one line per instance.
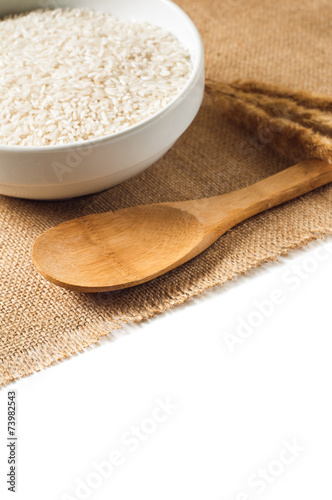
(234, 411)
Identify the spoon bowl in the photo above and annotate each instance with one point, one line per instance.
(115, 249)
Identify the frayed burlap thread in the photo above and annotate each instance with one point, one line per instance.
(284, 43)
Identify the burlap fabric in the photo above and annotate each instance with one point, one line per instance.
(286, 42)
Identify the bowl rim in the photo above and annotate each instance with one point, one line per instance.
(90, 143)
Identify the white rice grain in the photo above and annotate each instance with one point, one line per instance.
(69, 75)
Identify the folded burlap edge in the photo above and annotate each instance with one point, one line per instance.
(46, 354)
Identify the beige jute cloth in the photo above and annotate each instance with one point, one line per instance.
(286, 42)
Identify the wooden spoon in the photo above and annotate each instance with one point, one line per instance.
(113, 250)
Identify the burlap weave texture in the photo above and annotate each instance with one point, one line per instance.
(287, 42)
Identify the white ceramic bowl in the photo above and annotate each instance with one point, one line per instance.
(55, 172)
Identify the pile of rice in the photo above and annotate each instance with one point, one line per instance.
(70, 75)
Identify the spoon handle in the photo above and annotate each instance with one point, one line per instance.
(285, 186)
(225, 211)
